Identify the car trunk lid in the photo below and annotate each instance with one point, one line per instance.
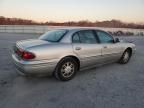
(25, 44)
(20, 49)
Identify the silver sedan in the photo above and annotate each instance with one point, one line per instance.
(63, 52)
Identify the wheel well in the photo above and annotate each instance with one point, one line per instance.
(76, 59)
(130, 49)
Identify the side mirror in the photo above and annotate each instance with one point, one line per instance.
(117, 40)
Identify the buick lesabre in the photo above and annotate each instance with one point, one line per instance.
(63, 52)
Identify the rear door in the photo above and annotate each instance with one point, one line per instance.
(87, 48)
(111, 51)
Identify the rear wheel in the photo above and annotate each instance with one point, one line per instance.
(125, 57)
(66, 69)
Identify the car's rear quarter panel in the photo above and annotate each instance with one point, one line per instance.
(52, 51)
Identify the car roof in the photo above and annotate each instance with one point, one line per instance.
(77, 28)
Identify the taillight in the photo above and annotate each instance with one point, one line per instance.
(28, 55)
(25, 54)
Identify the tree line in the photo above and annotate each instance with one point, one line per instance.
(83, 23)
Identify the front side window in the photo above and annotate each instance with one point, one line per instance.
(53, 35)
(104, 37)
(85, 36)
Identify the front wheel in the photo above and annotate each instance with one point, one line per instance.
(125, 57)
(66, 69)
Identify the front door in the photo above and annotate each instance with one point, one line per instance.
(111, 51)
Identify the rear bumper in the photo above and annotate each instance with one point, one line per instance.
(34, 67)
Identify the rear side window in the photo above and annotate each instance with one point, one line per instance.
(85, 36)
(76, 38)
(104, 37)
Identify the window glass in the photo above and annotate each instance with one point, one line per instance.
(53, 36)
(76, 38)
(85, 36)
(104, 37)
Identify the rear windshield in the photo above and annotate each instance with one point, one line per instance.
(53, 35)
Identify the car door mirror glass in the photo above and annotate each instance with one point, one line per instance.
(117, 40)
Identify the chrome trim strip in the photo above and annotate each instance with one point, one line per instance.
(112, 54)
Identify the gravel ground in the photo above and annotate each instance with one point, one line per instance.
(108, 86)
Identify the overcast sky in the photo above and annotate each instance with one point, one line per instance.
(74, 10)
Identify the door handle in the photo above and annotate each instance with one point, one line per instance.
(105, 47)
(78, 48)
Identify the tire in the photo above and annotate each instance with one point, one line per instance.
(125, 57)
(66, 69)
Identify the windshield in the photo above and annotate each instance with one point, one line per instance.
(53, 35)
